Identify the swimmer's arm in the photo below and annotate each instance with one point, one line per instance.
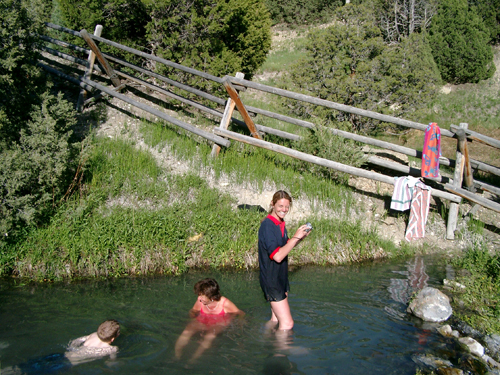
(231, 308)
(114, 350)
(195, 310)
(77, 342)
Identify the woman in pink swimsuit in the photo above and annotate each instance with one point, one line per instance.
(212, 313)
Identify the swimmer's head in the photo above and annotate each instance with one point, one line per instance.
(208, 288)
(108, 331)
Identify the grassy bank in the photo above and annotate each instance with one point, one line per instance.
(132, 217)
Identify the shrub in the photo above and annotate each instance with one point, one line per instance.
(460, 43)
(35, 153)
(349, 63)
(20, 81)
(301, 12)
(34, 172)
(322, 143)
(489, 11)
(123, 21)
(214, 36)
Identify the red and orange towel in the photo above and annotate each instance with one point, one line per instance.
(431, 151)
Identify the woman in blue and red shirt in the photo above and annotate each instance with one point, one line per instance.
(274, 247)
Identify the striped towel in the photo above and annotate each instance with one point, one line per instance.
(431, 151)
(403, 192)
(419, 212)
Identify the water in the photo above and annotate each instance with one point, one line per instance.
(348, 320)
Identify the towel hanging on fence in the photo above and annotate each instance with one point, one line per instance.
(403, 192)
(419, 212)
(431, 151)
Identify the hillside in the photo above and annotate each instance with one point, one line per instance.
(122, 121)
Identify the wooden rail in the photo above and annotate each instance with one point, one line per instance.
(238, 83)
(323, 162)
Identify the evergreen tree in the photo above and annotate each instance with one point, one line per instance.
(489, 11)
(215, 36)
(460, 43)
(35, 153)
(123, 21)
(301, 12)
(19, 78)
(349, 63)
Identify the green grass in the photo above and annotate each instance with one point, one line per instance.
(133, 218)
(479, 106)
(480, 300)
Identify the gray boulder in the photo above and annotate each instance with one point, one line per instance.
(431, 305)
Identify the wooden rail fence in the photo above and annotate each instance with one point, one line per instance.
(447, 188)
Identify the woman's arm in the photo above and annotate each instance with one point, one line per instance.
(292, 242)
(195, 309)
(231, 308)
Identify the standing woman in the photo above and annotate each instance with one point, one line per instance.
(274, 247)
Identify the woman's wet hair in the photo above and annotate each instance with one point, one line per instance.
(280, 194)
(108, 330)
(208, 288)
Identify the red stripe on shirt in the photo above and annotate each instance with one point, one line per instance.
(273, 253)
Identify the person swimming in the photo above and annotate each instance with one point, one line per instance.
(95, 345)
(80, 350)
(212, 312)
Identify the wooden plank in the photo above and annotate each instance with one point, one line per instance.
(323, 162)
(65, 56)
(475, 136)
(462, 145)
(61, 28)
(64, 44)
(101, 94)
(333, 105)
(451, 226)
(109, 70)
(226, 118)
(167, 80)
(150, 86)
(486, 187)
(219, 140)
(405, 169)
(88, 73)
(65, 76)
(473, 197)
(241, 108)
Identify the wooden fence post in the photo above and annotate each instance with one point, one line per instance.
(462, 145)
(457, 183)
(226, 118)
(241, 108)
(88, 73)
(111, 73)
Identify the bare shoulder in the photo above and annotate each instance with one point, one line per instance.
(230, 307)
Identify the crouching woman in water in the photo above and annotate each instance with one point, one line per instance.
(212, 313)
(274, 247)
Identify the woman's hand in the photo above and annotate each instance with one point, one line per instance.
(302, 232)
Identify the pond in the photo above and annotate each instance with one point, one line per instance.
(348, 320)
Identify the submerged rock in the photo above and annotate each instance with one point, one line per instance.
(431, 361)
(431, 305)
(449, 371)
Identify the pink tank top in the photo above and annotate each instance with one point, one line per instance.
(211, 319)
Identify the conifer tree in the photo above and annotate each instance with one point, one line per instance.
(460, 43)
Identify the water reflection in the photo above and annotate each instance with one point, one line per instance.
(416, 279)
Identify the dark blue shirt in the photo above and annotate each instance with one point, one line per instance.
(273, 275)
